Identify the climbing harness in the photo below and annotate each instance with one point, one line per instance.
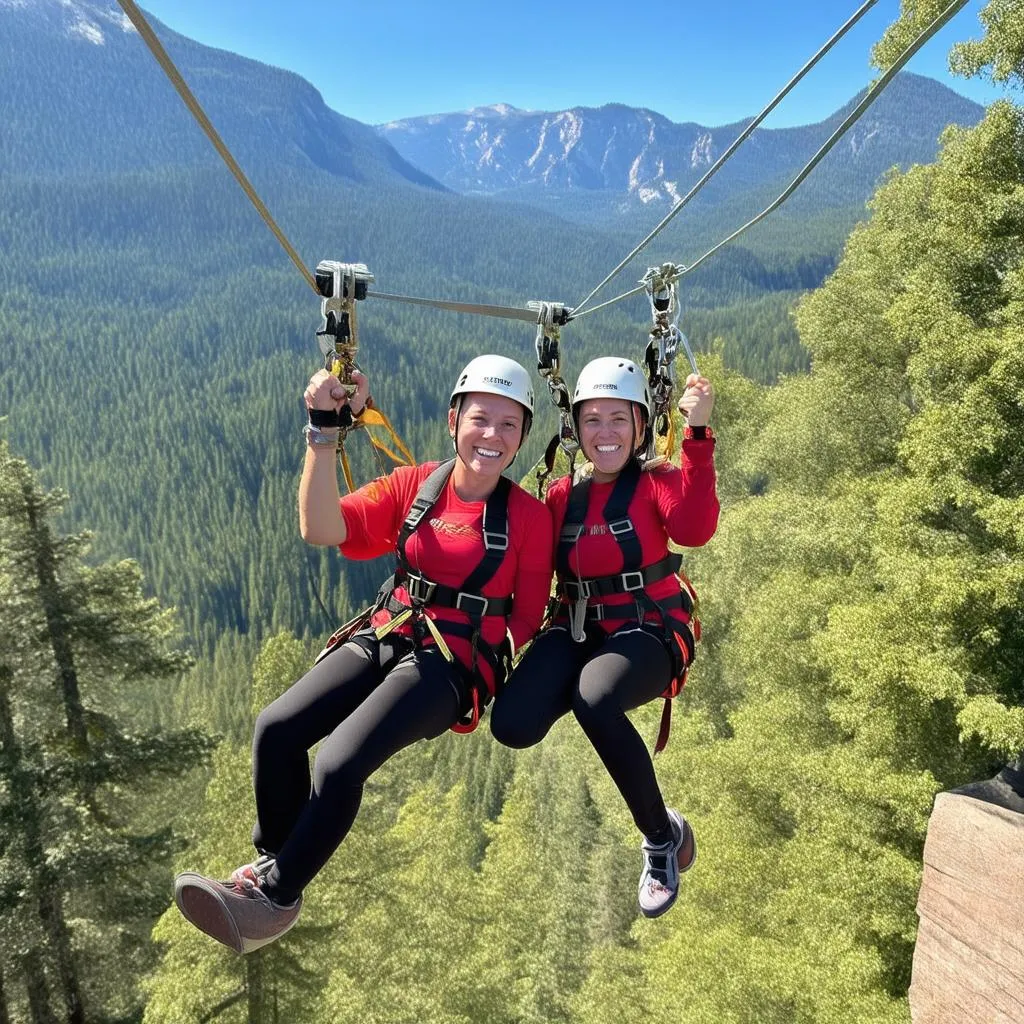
(575, 593)
(425, 594)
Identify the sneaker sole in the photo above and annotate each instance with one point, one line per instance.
(684, 827)
(201, 906)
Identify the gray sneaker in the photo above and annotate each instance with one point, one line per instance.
(237, 912)
(663, 864)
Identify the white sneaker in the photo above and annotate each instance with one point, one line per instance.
(663, 864)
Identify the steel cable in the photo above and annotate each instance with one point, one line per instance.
(736, 143)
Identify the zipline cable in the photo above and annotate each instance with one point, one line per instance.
(138, 19)
(507, 312)
(869, 97)
(516, 313)
(737, 142)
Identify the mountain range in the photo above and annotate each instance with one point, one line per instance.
(639, 155)
(80, 96)
(140, 290)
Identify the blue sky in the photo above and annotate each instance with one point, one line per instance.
(693, 60)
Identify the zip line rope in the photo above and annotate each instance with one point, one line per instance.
(736, 143)
(507, 312)
(869, 97)
(138, 19)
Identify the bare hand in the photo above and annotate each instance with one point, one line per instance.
(326, 392)
(698, 400)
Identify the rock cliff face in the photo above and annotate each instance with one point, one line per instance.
(640, 154)
(969, 957)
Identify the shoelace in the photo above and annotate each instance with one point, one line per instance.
(252, 875)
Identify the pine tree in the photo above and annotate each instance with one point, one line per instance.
(86, 773)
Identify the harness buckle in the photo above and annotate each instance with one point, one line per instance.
(577, 590)
(464, 598)
(619, 527)
(420, 589)
(628, 577)
(416, 514)
(495, 541)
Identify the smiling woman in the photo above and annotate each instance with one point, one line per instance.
(622, 632)
(473, 577)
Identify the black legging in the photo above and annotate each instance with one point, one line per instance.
(599, 680)
(369, 699)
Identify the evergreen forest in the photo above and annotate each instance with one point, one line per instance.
(862, 601)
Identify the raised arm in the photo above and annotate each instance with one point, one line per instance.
(688, 501)
(320, 518)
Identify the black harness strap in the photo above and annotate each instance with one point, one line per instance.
(634, 577)
(424, 592)
(625, 582)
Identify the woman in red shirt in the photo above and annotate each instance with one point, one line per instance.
(620, 635)
(433, 652)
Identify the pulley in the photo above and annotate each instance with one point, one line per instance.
(664, 340)
(340, 286)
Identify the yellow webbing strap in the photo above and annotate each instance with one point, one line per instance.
(670, 439)
(346, 469)
(373, 417)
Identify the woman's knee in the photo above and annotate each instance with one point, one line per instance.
(274, 733)
(337, 770)
(595, 699)
(512, 728)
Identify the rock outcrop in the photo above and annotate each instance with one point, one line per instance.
(969, 957)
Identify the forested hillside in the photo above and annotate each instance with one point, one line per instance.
(152, 322)
(863, 600)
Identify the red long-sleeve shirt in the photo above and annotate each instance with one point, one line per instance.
(677, 503)
(448, 546)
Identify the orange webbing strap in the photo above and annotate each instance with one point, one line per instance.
(373, 417)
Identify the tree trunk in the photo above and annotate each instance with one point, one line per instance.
(35, 982)
(46, 574)
(44, 880)
(256, 987)
(5, 1016)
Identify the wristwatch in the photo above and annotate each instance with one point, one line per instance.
(317, 438)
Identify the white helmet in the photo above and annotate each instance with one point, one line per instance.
(612, 377)
(496, 375)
